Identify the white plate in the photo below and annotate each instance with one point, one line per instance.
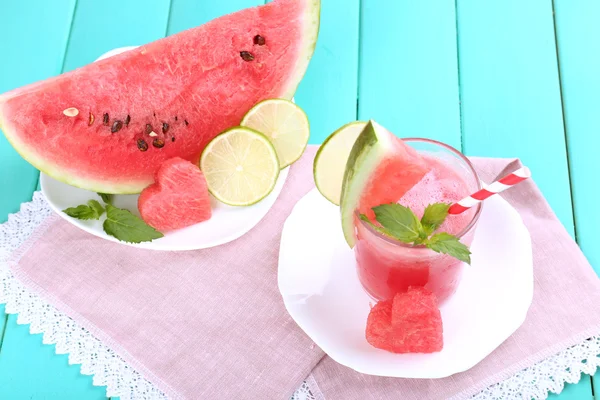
(321, 291)
(227, 223)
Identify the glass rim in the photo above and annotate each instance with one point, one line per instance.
(466, 229)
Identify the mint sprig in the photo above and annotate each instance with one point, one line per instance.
(401, 223)
(119, 223)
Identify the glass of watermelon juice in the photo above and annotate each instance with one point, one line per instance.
(387, 266)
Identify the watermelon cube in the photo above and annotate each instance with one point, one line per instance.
(410, 323)
(379, 326)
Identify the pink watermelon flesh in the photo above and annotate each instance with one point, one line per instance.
(410, 323)
(186, 88)
(395, 176)
(178, 199)
(379, 325)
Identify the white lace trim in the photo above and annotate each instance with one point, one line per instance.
(110, 370)
(549, 375)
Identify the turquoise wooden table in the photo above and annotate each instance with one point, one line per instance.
(502, 78)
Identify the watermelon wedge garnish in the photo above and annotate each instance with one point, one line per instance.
(108, 126)
(381, 168)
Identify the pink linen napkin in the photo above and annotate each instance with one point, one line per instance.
(206, 324)
(210, 324)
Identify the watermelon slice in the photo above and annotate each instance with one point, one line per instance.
(108, 126)
(179, 198)
(410, 323)
(381, 168)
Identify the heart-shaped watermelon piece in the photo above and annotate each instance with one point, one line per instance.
(178, 198)
(410, 323)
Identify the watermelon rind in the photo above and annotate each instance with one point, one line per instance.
(35, 156)
(312, 21)
(61, 174)
(373, 145)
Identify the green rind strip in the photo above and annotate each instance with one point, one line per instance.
(370, 148)
(312, 21)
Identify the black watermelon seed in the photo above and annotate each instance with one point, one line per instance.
(186, 123)
(172, 138)
(142, 145)
(246, 56)
(158, 143)
(105, 119)
(91, 119)
(127, 120)
(259, 40)
(176, 118)
(165, 127)
(116, 126)
(154, 114)
(148, 129)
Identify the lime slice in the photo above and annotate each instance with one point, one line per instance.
(240, 166)
(373, 145)
(330, 161)
(284, 123)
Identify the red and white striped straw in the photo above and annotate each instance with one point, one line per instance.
(499, 186)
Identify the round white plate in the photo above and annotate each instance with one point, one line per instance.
(227, 223)
(321, 291)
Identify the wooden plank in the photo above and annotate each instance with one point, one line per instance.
(408, 78)
(578, 36)
(578, 44)
(34, 371)
(100, 26)
(32, 49)
(34, 52)
(511, 103)
(328, 91)
(30, 368)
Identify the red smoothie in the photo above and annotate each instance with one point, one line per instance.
(387, 266)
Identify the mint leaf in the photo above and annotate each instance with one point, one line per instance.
(399, 221)
(127, 227)
(93, 210)
(107, 198)
(449, 244)
(435, 214)
(81, 212)
(377, 228)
